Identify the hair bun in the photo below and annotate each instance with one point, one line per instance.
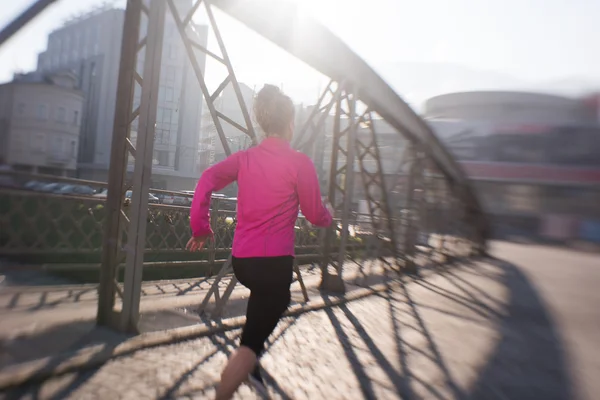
(273, 110)
(268, 93)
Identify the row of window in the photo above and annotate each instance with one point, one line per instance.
(168, 72)
(166, 94)
(57, 60)
(166, 115)
(42, 113)
(58, 146)
(164, 158)
(68, 47)
(80, 39)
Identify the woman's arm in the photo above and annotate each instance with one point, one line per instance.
(309, 195)
(214, 178)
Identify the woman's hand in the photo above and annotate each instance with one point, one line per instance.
(196, 243)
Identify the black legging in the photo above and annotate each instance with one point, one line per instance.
(269, 280)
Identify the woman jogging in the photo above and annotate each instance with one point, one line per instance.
(274, 181)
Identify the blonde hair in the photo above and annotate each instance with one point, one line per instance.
(273, 110)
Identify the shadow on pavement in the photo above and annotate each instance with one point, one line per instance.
(34, 347)
(55, 341)
(526, 363)
(225, 344)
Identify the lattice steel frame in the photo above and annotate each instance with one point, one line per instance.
(374, 183)
(355, 81)
(122, 148)
(341, 184)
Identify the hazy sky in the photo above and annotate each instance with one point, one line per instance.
(516, 40)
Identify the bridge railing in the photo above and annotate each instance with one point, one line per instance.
(55, 228)
(62, 229)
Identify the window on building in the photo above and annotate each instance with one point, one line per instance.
(172, 52)
(162, 136)
(163, 158)
(41, 112)
(75, 117)
(170, 73)
(169, 94)
(167, 116)
(94, 35)
(61, 114)
(73, 148)
(159, 114)
(38, 143)
(57, 146)
(21, 108)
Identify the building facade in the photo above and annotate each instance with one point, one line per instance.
(534, 159)
(40, 121)
(89, 46)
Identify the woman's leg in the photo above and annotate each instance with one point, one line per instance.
(269, 280)
(240, 364)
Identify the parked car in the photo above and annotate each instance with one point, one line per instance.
(159, 196)
(151, 198)
(80, 190)
(34, 185)
(175, 199)
(190, 195)
(51, 187)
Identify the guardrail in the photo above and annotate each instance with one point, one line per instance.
(66, 230)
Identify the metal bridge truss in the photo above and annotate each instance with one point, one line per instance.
(428, 192)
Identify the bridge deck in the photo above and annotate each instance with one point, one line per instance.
(521, 326)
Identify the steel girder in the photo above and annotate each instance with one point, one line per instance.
(116, 243)
(354, 82)
(26, 16)
(185, 28)
(282, 23)
(375, 186)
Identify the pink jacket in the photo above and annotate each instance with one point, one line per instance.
(273, 180)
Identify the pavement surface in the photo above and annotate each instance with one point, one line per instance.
(521, 326)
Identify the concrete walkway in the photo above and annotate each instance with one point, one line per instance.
(522, 326)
